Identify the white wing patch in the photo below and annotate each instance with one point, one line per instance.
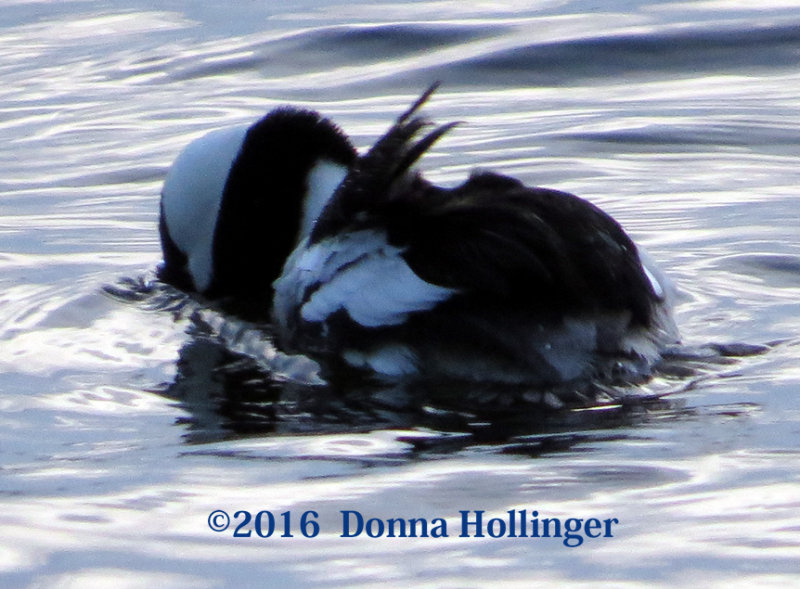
(357, 272)
(192, 195)
(391, 360)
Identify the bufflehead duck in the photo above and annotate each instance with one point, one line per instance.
(238, 200)
(489, 281)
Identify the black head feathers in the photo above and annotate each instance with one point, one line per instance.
(235, 201)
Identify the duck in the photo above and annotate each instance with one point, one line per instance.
(236, 201)
(488, 281)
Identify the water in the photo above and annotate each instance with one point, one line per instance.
(126, 423)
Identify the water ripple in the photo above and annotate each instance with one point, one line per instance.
(127, 419)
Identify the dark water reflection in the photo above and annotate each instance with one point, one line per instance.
(228, 396)
(233, 383)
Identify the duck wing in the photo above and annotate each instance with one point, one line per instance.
(495, 239)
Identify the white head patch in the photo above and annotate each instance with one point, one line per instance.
(323, 180)
(192, 195)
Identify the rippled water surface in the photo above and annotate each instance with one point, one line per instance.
(129, 414)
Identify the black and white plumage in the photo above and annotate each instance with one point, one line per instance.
(238, 200)
(490, 280)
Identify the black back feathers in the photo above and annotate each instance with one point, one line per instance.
(387, 165)
(494, 240)
(501, 243)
